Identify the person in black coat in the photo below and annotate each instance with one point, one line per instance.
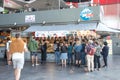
(105, 51)
(43, 52)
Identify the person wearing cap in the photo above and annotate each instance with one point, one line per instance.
(16, 53)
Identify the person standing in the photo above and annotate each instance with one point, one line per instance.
(77, 49)
(70, 49)
(57, 53)
(63, 56)
(83, 53)
(97, 56)
(7, 48)
(43, 52)
(16, 53)
(105, 51)
(33, 47)
(90, 50)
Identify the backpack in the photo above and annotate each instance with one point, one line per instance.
(63, 49)
(92, 51)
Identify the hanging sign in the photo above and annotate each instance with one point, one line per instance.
(29, 18)
(86, 14)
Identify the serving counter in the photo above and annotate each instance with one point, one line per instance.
(2, 51)
(50, 56)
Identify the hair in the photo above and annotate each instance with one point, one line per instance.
(96, 42)
(90, 41)
(83, 40)
(8, 39)
(17, 35)
(70, 43)
(78, 42)
(105, 43)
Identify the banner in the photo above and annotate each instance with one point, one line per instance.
(51, 33)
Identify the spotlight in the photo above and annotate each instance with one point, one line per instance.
(15, 23)
(44, 22)
(78, 20)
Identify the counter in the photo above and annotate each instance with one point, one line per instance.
(2, 51)
(50, 56)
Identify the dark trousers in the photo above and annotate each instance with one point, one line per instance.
(5, 57)
(105, 60)
(83, 59)
(70, 60)
(96, 61)
(43, 57)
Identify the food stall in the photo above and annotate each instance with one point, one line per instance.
(3, 38)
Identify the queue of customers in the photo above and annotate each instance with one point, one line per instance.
(80, 52)
(86, 53)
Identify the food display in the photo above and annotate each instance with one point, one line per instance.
(3, 37)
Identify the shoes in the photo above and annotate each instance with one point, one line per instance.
(103, 66)
(33, 65)
(95, 69)
(98, 69)
(37, 64)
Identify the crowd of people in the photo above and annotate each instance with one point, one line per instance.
(78, 52)
(85, 52)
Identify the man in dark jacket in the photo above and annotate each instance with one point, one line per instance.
(105, 52)
(43, 52)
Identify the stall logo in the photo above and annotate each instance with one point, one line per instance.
(86, 14)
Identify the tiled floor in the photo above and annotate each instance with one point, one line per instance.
(51, 71)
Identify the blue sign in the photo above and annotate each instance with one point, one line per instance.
(86, 14)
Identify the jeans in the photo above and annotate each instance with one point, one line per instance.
(70, 60)
(57, 57)
(96, 61)
(83, 58)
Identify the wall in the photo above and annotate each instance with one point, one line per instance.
(116, 45)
